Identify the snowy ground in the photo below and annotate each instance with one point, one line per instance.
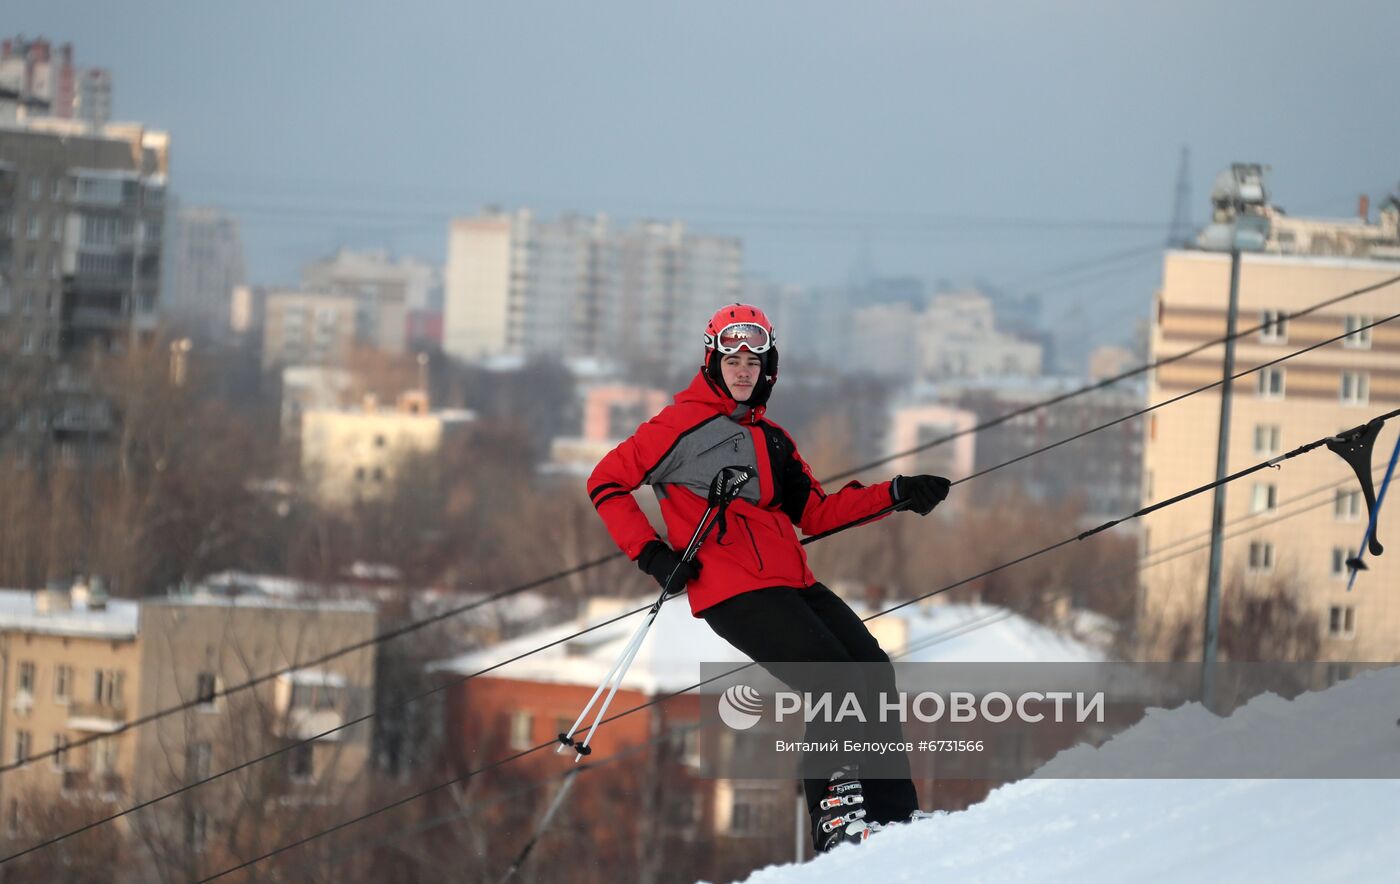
(1164, 830)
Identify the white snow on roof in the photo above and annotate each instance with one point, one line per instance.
(1167, 830)
(678, 643)
(118, 619)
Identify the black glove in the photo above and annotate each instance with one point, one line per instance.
(659, 560)
(922, 493)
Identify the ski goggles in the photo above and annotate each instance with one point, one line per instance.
(739, 335)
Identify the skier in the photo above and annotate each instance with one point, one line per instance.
(751, 582)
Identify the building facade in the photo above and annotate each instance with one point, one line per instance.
(350, 455)
(38, 80)
(1335, 387)
(204, 264)
(77, 668)
(386, 291)
(301, 328)
(521, 286)
(81, 217)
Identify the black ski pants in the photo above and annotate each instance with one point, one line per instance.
(784, 625)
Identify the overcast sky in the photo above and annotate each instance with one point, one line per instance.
(814, 130)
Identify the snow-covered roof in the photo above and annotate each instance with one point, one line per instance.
(19, 612)
(1170, 829)
(678, 643)
(207, 600)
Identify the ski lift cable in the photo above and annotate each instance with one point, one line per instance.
(443, 615)
(1185, 495)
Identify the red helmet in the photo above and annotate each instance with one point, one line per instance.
(739, 327)
(742, 327)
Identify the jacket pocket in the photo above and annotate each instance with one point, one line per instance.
(720, 444)
(753, 541)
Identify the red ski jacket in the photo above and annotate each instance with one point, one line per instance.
(678, 453)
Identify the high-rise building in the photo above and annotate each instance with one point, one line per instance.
(81, 214)
(1337, 386)
(302, 328)
(386, 292)
(516, 285)
(204, 264)
(36, 81)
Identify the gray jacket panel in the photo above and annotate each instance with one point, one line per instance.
(701, 453)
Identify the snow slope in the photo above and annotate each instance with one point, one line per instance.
(1164, 830)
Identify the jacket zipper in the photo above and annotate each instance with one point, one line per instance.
(721, 443)
(752, 541)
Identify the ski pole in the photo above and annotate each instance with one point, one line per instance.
(624, 659)
(723, 489)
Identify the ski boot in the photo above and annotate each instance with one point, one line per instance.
(839, 817)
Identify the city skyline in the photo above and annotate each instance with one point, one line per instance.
(936, 143)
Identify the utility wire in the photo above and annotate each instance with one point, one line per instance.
(958, 631)
(414, 625)
(1185, 495)
(442, 615)
(1108, 382)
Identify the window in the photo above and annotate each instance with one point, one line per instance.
(521, 730)
(359, 474)
(1271, 383)
(1340, 554)
(379, 441)
(206, 690)
(1341, 621)
(107, 687)
(301, 762)
(1346, 505)
(27, 677)
(1261, 556)
(197, 761)
(313, 696)
(59, 758)
(1358, 338)
(104, 755)
(62, 684)
(36, 187)
(31, 228)
(1356, 388)
(378, 474)
(31, 264)
(1273, 327)
(1268, 440)
(1264, 498)
(22, 746)
(56, 228)
(58, 188)
(13, 820)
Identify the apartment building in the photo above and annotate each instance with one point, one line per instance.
(523, 286)
(76, 666)
(305, 328)
(1315, 499)
(81, 214)
(204, 263)
(385, 291)
(355, 454)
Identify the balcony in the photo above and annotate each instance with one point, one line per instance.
(104, 786)
(96, 718)
(310, 702)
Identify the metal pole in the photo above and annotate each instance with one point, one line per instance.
(1217, 519)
